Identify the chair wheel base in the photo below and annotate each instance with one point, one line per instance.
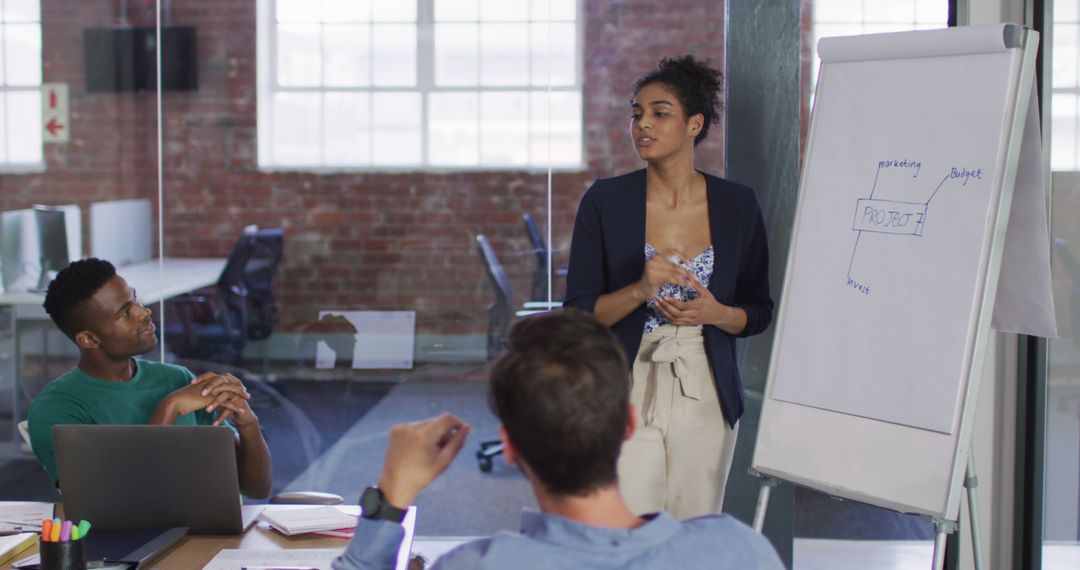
(484, 462)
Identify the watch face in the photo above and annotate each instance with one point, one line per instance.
(370, 501)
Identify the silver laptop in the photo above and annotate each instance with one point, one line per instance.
(143, 477)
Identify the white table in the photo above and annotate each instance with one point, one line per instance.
(181, 275)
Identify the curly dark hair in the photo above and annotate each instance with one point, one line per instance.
(695, 84)
(72, 287)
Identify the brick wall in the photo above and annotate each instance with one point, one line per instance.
(357, 240)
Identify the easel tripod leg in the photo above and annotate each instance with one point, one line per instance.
(767, 483)
(762, 504)
(944, 528)
(972, 484)
(941, 530)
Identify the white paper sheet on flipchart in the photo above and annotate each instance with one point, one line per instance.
(1025, 300)
(235, 559)
(16, 515)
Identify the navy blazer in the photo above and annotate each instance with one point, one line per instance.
(607, 253)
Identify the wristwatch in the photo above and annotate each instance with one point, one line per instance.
(374, 506)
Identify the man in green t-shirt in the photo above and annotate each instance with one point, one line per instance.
(97, 309)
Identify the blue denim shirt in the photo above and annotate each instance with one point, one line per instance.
(716, 542)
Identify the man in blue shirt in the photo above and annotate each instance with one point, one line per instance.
(561, 391)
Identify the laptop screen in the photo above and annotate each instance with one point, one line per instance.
(143, 477)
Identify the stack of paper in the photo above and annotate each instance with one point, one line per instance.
(319, 558)
(12, 544)
(314, 519)
(23, 515)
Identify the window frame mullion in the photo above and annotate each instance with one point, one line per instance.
(425, 71)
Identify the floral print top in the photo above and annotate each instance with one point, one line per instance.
(701, 266)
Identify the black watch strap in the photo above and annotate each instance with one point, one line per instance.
(374, 506)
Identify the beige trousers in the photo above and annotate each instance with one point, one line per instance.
(679, 457)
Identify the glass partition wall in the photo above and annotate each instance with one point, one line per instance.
(1061, 522)
(366, 155)
(339, 202)
(76, 136)
(342, 204)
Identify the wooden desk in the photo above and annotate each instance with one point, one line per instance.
(181, 276)
(197, 551)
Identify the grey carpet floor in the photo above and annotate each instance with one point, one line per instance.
(464, 501)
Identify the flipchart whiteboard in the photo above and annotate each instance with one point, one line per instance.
(896, 247)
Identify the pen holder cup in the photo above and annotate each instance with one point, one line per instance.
(70, 555)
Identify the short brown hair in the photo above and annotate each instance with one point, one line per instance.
(562, 392)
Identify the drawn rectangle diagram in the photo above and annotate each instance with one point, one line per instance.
(889, 217)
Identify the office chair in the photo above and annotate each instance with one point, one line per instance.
(267, 248)
(539, 279)
(215, 324)
(500, 312)
(24, 431)
(501, 308)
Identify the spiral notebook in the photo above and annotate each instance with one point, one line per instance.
(313, 519)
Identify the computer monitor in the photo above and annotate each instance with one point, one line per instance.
(20, 268)
(53, 242)
(121, 231)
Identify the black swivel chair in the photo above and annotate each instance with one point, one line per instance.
(266, 250)
(539, 279)
(501, 308)
(500, 312)
(215, 324)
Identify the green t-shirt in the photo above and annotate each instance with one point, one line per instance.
(79, 398)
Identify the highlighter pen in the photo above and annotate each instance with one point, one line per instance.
(84, 528)
(65, 531)
(74, 532)
(46, 530)
(55, 535)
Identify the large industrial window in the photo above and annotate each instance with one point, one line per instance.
(20, 85)
(466, 84)
(1065, 106)
(853, 17)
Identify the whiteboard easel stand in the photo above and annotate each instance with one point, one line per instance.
(767, 483)
(1015, 123)
(945, 527)
(942, 527)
